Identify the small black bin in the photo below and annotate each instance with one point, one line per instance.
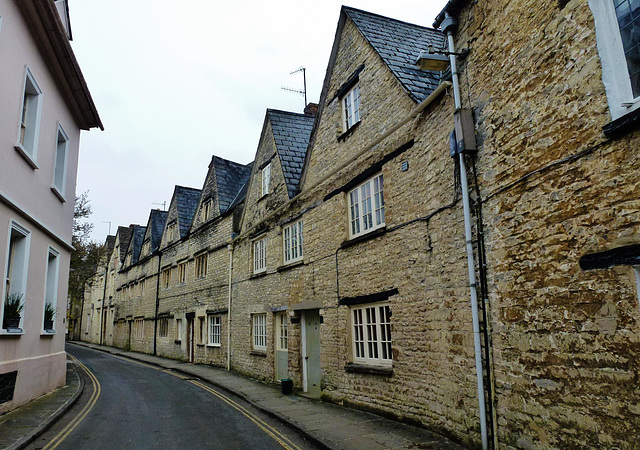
(287, 386)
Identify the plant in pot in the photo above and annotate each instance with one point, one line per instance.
(50, 312)
(13, 306)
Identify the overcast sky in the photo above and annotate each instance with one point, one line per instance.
(178, 81)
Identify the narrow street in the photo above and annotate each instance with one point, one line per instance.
(127, 404)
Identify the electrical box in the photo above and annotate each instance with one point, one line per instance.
(465, 130)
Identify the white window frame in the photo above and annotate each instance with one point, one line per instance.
(282, 331)
(636, 269)
(366, 202)
(293, 242)
(29, 119)
(171, 230)
(215, 330)
(179, 329)
(51, 283)
(59, 183)
(259, 331)
(371, 340)
(201, 265)
(350, 106)
(265, 175)
(615, 74)
(259, 253)
(16, 266)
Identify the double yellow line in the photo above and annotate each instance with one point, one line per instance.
(275, 434)
(80, 417)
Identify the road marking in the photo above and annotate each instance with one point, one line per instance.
(80, 417)
(269, 430)
(275, 434)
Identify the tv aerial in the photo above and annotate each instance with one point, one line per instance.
(303, 91)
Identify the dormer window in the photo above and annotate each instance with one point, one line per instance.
(146, 247)
(351, 107)
(206, 210)
(171, 231)
(266, 178)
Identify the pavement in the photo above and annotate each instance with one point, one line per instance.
(23, 425)
(327, 425)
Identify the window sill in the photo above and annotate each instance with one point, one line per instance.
(261, 353)
(290, 265)
(369, 370)
(349, 132)
(622, 125)
(177, 341)
(364, 237)
(26, 156)
(47, 333)
(214, 345)
(11, 332)
(258, 275)
(55, 190)
(199, 345)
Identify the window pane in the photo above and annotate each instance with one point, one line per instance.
(367, 217)
(372, 333)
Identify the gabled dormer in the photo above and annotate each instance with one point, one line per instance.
(180, 214)
(278, 163)
(372, 80)
(135, 245)
(153, 232)
(224, 181)
(120, 246)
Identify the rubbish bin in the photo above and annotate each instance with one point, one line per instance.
(287, 386)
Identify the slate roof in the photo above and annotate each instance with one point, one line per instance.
(291, 132)
(230, 177)
(242, 194)
(136, 242)
(125, 236)
(399, 44)
(156, 222)
(187, 200)
(109, 245)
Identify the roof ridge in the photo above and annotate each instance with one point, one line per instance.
(271, 110)
(351, 8)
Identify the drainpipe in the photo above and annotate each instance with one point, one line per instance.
(155, 320)
(230, 248)
(104, 294)
(448, 25)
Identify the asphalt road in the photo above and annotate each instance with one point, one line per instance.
(130, 405)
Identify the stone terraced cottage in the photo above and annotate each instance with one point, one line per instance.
(458, 249)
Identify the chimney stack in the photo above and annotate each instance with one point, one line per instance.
(311, 109)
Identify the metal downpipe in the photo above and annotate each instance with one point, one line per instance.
(470, 257)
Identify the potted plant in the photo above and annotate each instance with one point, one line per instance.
(50, 312)
(13, 306)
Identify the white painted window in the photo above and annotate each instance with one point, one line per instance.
(60, 166)
(178, 329)
(366, 207)
(260, 255)
(351, 108)
(215, 327)
(201, 265)
(617, 24)
(282, 325)
(371, 334)
(266, 178)
(637, 271)
(30, 112)
(17, 266)
(259, 331)
(293, 242)
(51, 288)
